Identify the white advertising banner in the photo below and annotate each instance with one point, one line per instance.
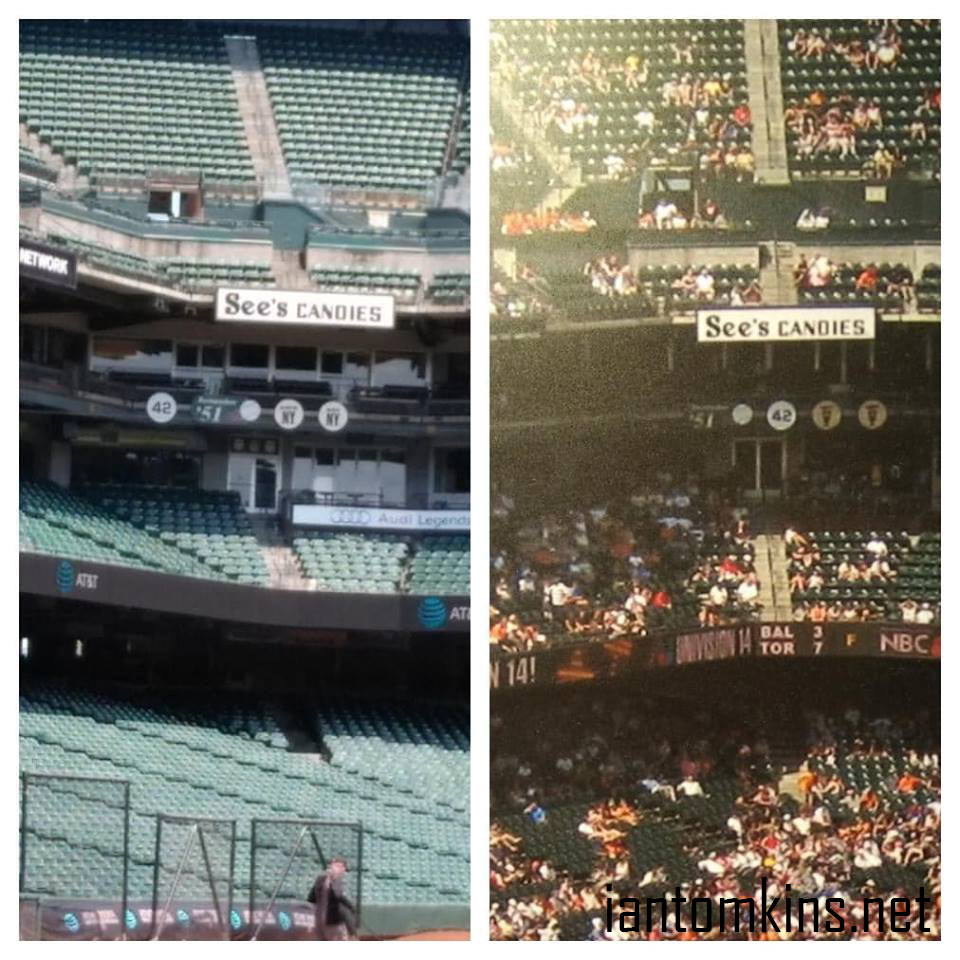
(304, 307)
(770, 324)
(380, 518)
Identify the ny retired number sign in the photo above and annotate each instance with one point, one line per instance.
(303, 307)
(774, 324)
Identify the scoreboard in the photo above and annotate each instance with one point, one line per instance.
(580, 661)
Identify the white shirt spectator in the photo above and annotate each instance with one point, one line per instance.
(663, 213)
(877, 547)
(644, 118)
(748, 592)
(925, 614)
(705, 284)
(718, 596)
(559, 593)
(690, 787)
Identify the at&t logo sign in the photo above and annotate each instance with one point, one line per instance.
(432, 612)
(65, 576)
(68, 578)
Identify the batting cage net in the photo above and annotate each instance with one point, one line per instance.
(193, 861)
(74, 837)
(287, 855)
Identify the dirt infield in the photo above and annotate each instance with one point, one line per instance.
(434, 935)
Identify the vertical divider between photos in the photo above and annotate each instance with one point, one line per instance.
(480, 474)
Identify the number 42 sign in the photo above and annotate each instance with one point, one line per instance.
(781, 415)
(161, 407)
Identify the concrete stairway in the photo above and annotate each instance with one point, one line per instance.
(258, 121)
(771, 567)
(566, 176)
(278, 558)
(287, 270)
(285, 573)
(776, 274)
(69, 181)
(765, 92)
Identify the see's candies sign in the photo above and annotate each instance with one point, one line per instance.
(302, 307)
(772, 324)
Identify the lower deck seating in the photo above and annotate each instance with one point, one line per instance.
(56, 521)
(353, 562)
(403, 284)
(449, 288)
(908, 575)
(208, 524)
(401, 771)
(441, 565)
(175, 271)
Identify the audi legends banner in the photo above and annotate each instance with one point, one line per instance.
(377, 518)
(770, 324)
(56, 267)
(303, 307)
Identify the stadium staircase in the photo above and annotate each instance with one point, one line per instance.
(69, 179)
(279, 559)
(776, 274)
(772, 570)
(762, 52)
(259, 123)
(288, 271)
(567, 176)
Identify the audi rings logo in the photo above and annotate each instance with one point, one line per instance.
(432, 612)
(351, 516)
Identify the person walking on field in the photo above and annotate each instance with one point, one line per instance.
(335, 914)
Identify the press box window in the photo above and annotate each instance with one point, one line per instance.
(452, 471)
(250, 355)
(200, 355)
(297, 358)
(331, 363)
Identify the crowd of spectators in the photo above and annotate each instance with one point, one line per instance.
(520, 300)
(666, 215)
(683, 96)
(850, 127)
(519, 223)
(667, 557)
(853, 812)
(895, 284)
(851, 585)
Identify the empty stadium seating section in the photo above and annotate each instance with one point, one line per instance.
(205, 533)
(385, 563)
(193, 534)
(364, 111)
(400, 771)
(173, 272)
(207, 524)
(121, 98)
(400, 284)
